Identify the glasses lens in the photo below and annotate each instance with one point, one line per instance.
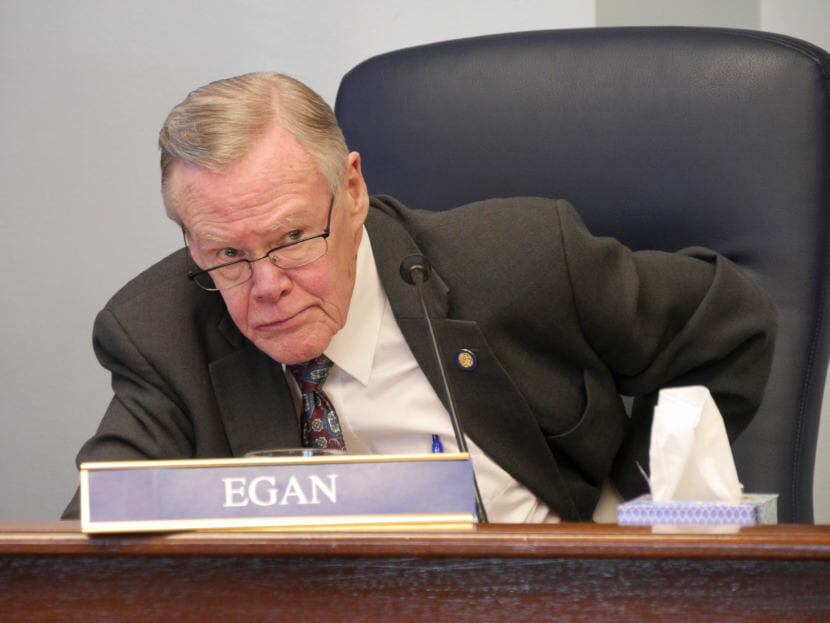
(225, 277)
(300, 254)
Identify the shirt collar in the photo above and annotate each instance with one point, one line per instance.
(352, 349)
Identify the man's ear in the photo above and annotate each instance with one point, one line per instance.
(356, 188)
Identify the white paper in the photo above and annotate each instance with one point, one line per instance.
(690, 457)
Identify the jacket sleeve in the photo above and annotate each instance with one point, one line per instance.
(669, 319)
(143, 420)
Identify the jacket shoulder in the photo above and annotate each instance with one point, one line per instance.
(488, 218)
(166, 274)
(162, 296)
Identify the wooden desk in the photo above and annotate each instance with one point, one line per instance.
(49, 571)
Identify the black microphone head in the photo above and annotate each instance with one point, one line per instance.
(413, 265)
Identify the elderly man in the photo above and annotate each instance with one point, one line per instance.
(289, 261)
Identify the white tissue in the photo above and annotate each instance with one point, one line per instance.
(690, 457)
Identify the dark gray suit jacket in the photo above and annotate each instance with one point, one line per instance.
(561, 323)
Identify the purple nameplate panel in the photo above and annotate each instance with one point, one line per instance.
(275, 492)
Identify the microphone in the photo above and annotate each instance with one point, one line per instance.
(416, 270)
(414, 266)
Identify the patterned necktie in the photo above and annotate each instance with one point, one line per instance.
(321, 428)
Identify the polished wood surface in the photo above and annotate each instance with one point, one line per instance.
(49, 571)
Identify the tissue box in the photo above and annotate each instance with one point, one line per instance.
(752, 509)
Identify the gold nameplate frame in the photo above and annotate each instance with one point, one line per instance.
(321, 492)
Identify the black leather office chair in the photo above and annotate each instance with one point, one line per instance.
(662, 137)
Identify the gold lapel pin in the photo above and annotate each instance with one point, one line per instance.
(466, 359)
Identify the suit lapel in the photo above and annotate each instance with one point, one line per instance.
(491, 409)
(255, 403)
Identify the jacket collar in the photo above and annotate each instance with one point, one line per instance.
(491, 409)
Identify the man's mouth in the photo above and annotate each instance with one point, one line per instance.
(281, 323)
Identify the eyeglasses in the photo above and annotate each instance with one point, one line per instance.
(292, 255)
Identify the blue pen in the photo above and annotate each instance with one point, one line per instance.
(436, 445)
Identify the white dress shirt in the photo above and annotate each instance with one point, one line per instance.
(386, 405)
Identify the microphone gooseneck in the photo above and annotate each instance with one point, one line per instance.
(416, 270)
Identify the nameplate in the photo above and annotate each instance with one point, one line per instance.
(278, 493)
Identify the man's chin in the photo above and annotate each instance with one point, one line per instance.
(289, 351)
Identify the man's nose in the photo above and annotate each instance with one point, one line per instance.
(268, 280)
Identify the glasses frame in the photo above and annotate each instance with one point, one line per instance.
(192, 275)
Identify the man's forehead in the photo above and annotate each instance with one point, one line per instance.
(219, 208)
(244, 182)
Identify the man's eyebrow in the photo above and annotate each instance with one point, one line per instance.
(283, 223)
(213, 238)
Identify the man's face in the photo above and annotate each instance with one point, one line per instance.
(275, 195)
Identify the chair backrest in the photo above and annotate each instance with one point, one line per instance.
(662, 137)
